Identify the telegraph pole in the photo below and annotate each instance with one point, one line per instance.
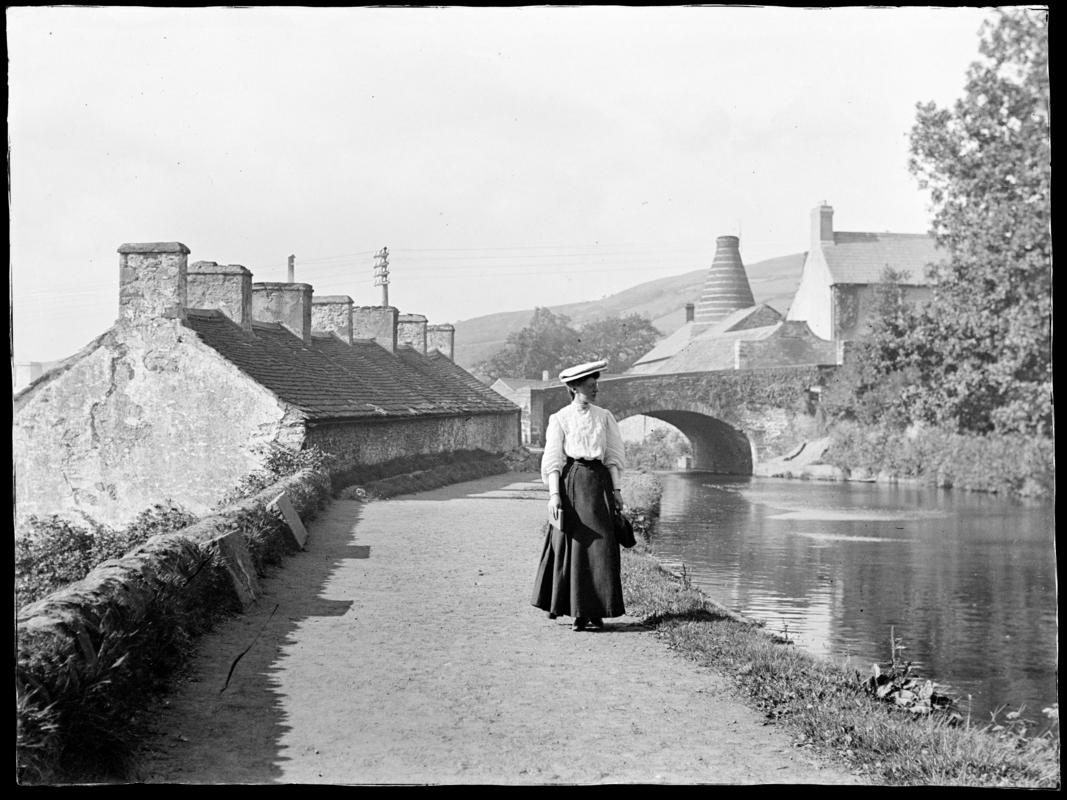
(381, 273)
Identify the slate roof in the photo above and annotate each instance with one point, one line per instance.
(452, 384)
(707, 351)
(514, 384)
(330, 379)
(861, 257)
(741, 319)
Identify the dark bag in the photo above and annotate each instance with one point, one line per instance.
(624, 529)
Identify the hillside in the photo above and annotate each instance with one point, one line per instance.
(773, 282)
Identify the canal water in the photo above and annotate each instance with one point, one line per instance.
(966, 581)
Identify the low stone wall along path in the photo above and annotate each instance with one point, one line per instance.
(400, 647)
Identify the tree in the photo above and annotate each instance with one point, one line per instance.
(618, 340)
(661, 449)
(551, 343)
(547, 343)
(982, 347)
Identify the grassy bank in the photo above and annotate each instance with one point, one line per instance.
(836, 712)
(1011, 465)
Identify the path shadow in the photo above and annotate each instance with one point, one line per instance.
(233, 711)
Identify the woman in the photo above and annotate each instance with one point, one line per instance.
(579, 575)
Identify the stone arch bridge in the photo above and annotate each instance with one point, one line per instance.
(734, 419)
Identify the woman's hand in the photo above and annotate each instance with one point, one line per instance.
(554, 505)
(617, 494)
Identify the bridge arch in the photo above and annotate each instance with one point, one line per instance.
(717, 445)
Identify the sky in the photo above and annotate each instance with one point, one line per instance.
(507, 157)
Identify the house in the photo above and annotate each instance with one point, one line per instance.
(517, 390)
(205, 370)
(838, 290)
(727, 330)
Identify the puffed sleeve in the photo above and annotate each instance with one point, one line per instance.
(615, 455)
(553, 458)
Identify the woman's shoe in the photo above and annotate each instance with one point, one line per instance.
(579, 624)
(551, 615)
(595, 622)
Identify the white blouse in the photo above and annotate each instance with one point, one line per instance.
(582, 432)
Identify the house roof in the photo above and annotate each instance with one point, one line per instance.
(514, 384)
(329, 379)
(744, 318)
(710, 350)
(862, 257)
(450, 384)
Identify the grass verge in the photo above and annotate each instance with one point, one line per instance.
(823, 705)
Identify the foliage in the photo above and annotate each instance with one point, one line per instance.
(550, 342)
(898, 685)
(1011, 464)
(52, 552)
(979, 353)
(877, 377)
(660, 449)
(618, 340)
(278, 462)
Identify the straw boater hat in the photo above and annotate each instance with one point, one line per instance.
(580, 371)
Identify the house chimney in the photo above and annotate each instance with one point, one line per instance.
(332, 314)
(411, 329)
(689, 312)
(152, 281)
(375, 322)
(287, 303)
(822, 225)
(726, 288)
(226, 287)
(544, 375)
(441, 338)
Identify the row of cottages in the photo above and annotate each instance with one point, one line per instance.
(833, 305)
(204, 371)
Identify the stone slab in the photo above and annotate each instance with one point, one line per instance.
(237, 561)
(297, 531)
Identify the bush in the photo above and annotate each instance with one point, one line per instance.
(661, 449)
(1012, 464)
(52, 552)
(278, 462)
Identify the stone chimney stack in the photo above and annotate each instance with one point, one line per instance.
(376, 322)
(690, 310)
(332, 314)
(411, 329)
(152, 281)
(287, 303)
(441, 338)
(726, 289)
(226, 287)
(822, 225)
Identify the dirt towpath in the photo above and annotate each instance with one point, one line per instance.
(400, 648)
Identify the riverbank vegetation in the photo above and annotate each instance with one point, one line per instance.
(663, 448)
(887, 724)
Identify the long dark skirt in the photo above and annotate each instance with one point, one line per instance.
(579, 575)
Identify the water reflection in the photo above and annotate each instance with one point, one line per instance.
(967, 581)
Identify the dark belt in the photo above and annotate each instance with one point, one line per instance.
(586, 462)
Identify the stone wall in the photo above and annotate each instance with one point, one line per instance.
(379, 442)
(144, 414)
